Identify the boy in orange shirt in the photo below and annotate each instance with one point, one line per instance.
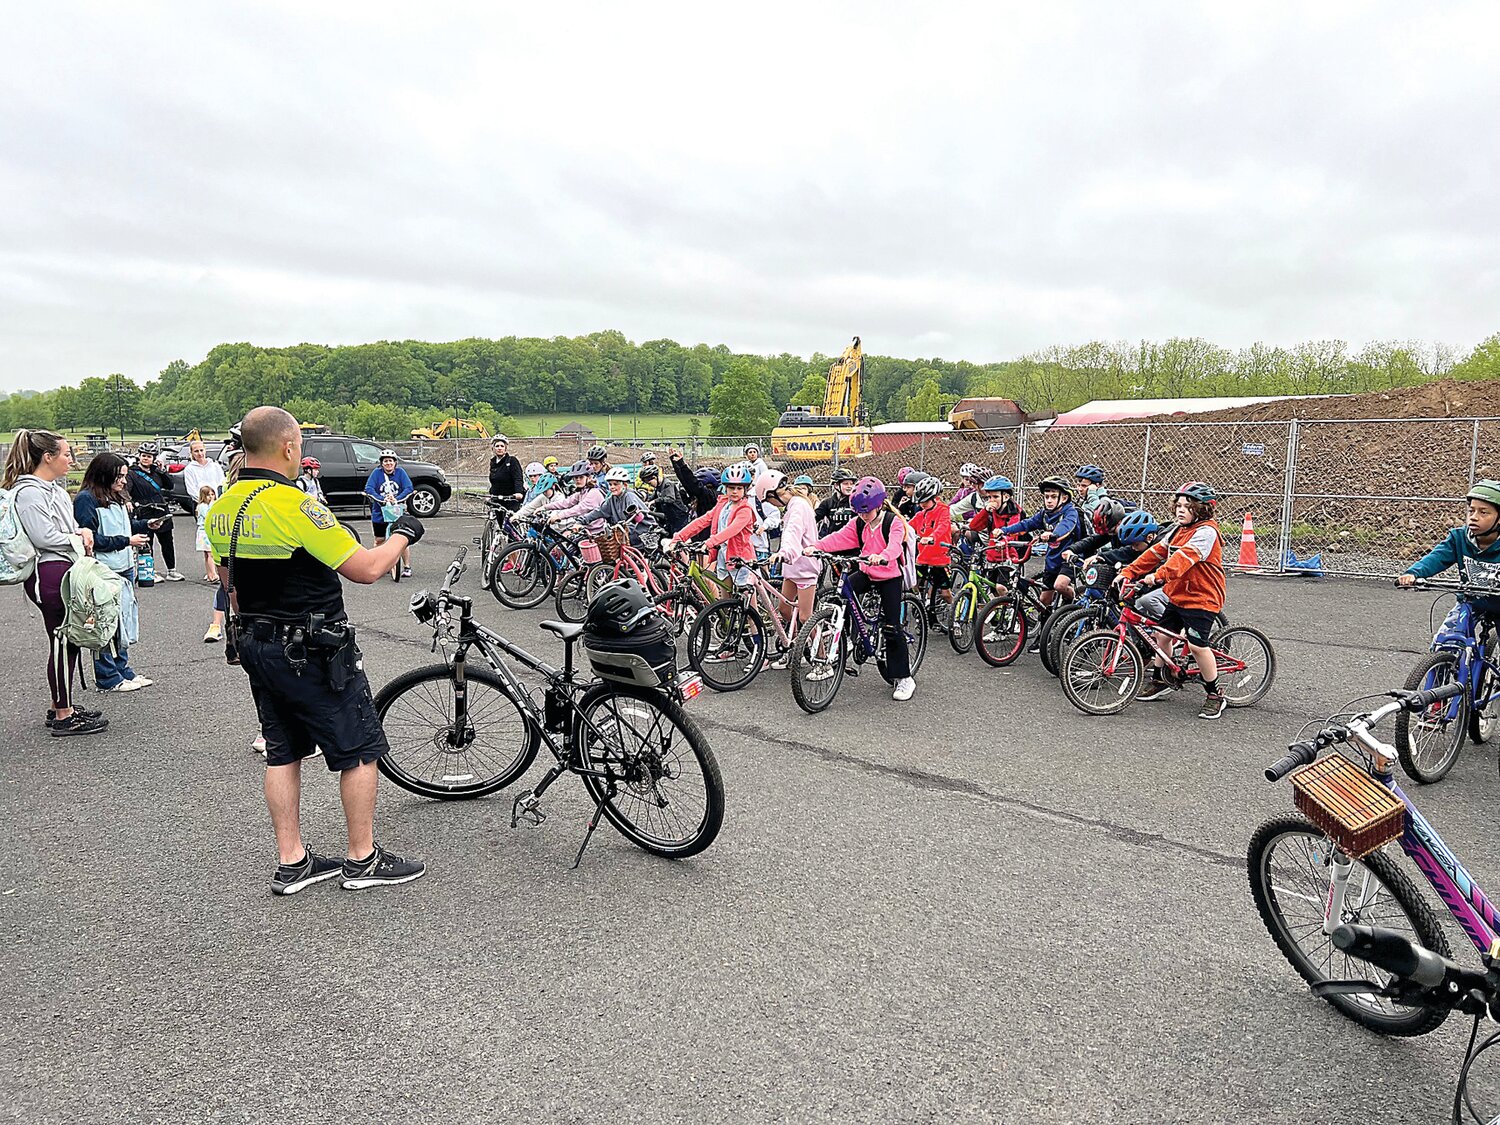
(1188, 566)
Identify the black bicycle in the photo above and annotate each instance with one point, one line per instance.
(458, 732)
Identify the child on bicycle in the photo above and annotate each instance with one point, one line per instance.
(833, 511)
(1120, 535)
(1478, 541)
(1188, 566)
(879, 570)
(934, 527)
(1057, 525)
(1089, 481)
(730, 524)
(799, 531)
(585, 497)
(997, 513)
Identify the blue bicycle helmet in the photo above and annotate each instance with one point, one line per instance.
(739, 473)
(803, 479)
(1137, 527)
(1091, 473)
(997, 484)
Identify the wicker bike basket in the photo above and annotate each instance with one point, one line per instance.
(1355, 811)
(610, 544)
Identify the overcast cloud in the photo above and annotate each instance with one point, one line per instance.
(960, 180)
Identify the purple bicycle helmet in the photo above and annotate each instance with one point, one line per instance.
(903, 473)
(868, 495)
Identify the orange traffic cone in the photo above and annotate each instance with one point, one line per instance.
(1249, 562)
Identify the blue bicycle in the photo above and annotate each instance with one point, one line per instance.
(1463, 652)
(526, 572)
(843, 633)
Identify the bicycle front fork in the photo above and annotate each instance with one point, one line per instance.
(1338, 893)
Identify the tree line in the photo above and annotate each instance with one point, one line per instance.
(384, 390)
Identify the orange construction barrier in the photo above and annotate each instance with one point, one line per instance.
(1248, 559)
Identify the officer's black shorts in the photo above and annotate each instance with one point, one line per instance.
(300, 712)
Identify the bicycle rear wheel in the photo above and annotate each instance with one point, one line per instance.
(522, 576)
(961, 625)
(727, 644)
(914, 625)
(1000, 632)
(1062, 629)
(1484, 707)
(572, 599)
(431, 756)
(1428, 743)
(1290, 865)
(660, 784)
(818, 658)
(1252, 648)
(597, 577)
(1101, 673)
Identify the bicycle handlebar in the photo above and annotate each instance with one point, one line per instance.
(1306, 752)
(1398, 955)
(455, 571)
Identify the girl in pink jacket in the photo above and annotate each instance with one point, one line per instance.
(731, 524)
(799, 531)
(879, 570)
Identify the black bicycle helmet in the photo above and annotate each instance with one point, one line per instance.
(619, 608)
(841, 475)
(649, 473)
(596, 453)
(1056, 484)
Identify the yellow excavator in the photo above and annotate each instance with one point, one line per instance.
(450, 426)
(804, 434)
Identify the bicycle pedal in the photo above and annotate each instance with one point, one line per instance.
(527, 809)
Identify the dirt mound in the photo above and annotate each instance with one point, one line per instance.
(1447, 398)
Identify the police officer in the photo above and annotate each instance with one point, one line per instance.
(281, 552)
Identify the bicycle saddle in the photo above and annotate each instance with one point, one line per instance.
(563, 629)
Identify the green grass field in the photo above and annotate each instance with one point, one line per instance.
(620, 426)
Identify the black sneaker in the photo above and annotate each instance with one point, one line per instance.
(77, 724)
(292, 877)
(381, 869)
(1213, 706)
(1155, 689)
(87, 714)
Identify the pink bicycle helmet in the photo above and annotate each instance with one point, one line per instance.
(769, 482)
(904, 472)
(868, 495)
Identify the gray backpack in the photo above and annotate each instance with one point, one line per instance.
(91, 595)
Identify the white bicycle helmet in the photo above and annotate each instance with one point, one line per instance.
(535, 469)
(391, 453)
(618, 473)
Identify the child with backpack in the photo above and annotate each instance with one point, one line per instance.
(38, 462)
(880, 535)
(100, 507)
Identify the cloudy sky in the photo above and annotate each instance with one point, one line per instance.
(962, 180)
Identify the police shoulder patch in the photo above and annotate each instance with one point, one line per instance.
(320, 516)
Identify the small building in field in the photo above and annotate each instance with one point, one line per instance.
(575, 430)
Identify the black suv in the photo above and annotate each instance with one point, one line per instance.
(345, 464)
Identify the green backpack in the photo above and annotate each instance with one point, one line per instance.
(91, 595)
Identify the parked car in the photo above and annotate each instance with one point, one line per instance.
(346, 463)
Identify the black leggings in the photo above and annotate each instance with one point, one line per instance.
(163, 535)
(897, 659)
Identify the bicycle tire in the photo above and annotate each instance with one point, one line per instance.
(1421, 920)
(486, 549)
(1061, 629)
(571, 597)
(1242, 689)
(811, 654)
(595, 578)
(522, 576)
(682, 609)
(719, 622)
(961, 623)
(914, 625)
(1083, 669)
(425, 706)
(1000, 632)
(1432, 670)
(1484, 718)
(642, 760)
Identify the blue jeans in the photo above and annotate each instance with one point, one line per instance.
(111, 669)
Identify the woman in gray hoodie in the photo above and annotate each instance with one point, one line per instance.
(38, 464)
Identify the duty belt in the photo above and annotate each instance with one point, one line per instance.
(314, 633)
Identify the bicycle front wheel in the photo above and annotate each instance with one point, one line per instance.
(572, 599)
(961, 626)
(1000, 632)
(1484, 715)
(1060, 630)
(521, 576)
(817, 663)
(1428, 743)
(1291, 874)
(1101, 672)
(727, 644)
(432, 755)
(1252, 649)
(650, 768)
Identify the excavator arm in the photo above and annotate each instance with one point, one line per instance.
(842, 398)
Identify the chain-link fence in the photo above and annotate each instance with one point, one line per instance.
(1361, 497)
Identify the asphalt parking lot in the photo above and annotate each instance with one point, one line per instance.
(978, 905)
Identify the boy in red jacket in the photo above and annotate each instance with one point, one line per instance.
(933, 523)
(1188, 565)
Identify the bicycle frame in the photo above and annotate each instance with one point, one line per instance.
(1134, 623)
(770, 602)
(1466, 640)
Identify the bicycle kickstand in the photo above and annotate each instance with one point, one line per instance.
(593, 824)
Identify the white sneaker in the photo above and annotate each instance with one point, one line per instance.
(904, 689)
(142, 681)
(172, 576)
(259, 745)
(821, 672)
(126, 685)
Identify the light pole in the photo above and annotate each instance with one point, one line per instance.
(117, 386)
